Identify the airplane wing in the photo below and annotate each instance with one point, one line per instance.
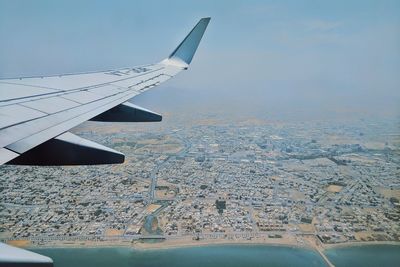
(12, 257)
(37, 112)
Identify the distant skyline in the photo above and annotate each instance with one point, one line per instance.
(291, 56)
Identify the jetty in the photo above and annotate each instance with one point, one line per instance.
(328, 262)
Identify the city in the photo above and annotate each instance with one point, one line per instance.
(253, 181)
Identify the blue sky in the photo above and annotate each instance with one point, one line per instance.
(325, 54)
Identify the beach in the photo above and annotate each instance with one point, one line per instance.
(317, 253)
(287, 240)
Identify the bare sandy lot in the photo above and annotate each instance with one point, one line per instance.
(334, 188)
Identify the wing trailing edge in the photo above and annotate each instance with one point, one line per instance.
(69, 149)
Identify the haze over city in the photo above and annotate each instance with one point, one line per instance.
(277, 59)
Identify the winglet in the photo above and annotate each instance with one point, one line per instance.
(184, 53)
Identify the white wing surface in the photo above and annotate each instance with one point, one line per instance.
(37, 112)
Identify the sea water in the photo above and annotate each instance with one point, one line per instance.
(207, 256)
(224, 255)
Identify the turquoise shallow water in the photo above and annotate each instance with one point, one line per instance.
(366, 255)
(210, 256)
(226, 255)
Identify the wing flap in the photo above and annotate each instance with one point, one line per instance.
(69, 149)
(11, 90)
(14, 114)
(51, 104)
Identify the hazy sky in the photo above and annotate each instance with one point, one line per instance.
(311, 57)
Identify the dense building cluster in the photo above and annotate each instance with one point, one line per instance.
(338, 182)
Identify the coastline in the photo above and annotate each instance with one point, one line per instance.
(183, 243)
(205, 243)
(168, 244)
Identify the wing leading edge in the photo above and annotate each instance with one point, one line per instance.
(37, 112)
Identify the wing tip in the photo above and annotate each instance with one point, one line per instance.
(185, 51)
